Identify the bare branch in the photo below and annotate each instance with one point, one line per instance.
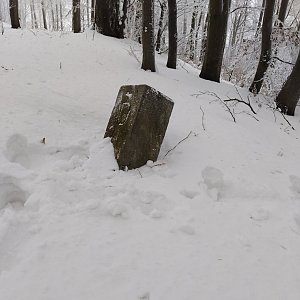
(179, 143)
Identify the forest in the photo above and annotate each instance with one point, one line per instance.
(250, 43)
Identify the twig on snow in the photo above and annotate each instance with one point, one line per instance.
(179, 143)
(202, 118)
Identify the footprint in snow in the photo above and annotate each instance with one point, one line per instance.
(35, 156)
(11, 193)
(295, 183)
(190, 194)
(260, 215)
(17, 150)
(213, 178)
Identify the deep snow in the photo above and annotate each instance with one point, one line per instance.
(217, 218)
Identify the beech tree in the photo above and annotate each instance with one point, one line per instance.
(266, 47)
(216, 39)
(107, 18)
(289, 95)
(14, 14)
(76, 24)
(172, 22)
(148, 35)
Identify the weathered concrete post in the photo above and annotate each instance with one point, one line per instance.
(138, 124)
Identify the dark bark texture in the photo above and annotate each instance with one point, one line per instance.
(282, 12)
(107, 18)
(266, 47)
(44, 15)
(14, 14)
(138, 124)
(160, 25)
(216, 39)
(76, 16)
(172, 53)
(289, 95)
(148, 35)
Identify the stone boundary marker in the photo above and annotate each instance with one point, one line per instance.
(138, 124)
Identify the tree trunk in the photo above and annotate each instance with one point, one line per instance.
(289, 95)
(282, 12)
(61, 17)
(124, 15)
(197, 36)
(88, 13)
(107, 18)
(191, 41)
(266, 48)
(148, 35)
(44, 15)
(57, 18)
(172, 53)
(216, 38)
(34, 15)
(204, 40)
(261, 14)
(14, 14)
(160, 24)
(52, 16)
(76, 16)
(93, 14)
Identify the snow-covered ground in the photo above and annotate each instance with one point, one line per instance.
(216, 218)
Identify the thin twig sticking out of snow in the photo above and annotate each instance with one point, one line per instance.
(202, 118)
(274, 109)
(191, 132)
(131, 52)
(235, 100)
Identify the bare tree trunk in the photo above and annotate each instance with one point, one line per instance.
(61, 17)
(204, 39)
(107, 18)
(261, 14)
(82, 18)
(289, 95)
(34, 15)
(93, 14)
(14, 14)
(160, 24)
(216, 38)
(191, 41)
(266, 48)
(52, 16)
(76, 16)
(57, 18)
(197, 36)
(88, 13)
(124, 15)
(44, 15)
(282, 12)
(148, 35)
(172, 53)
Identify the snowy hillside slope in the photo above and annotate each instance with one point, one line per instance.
(218, 217)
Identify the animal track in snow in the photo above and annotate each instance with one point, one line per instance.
(10, 192)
